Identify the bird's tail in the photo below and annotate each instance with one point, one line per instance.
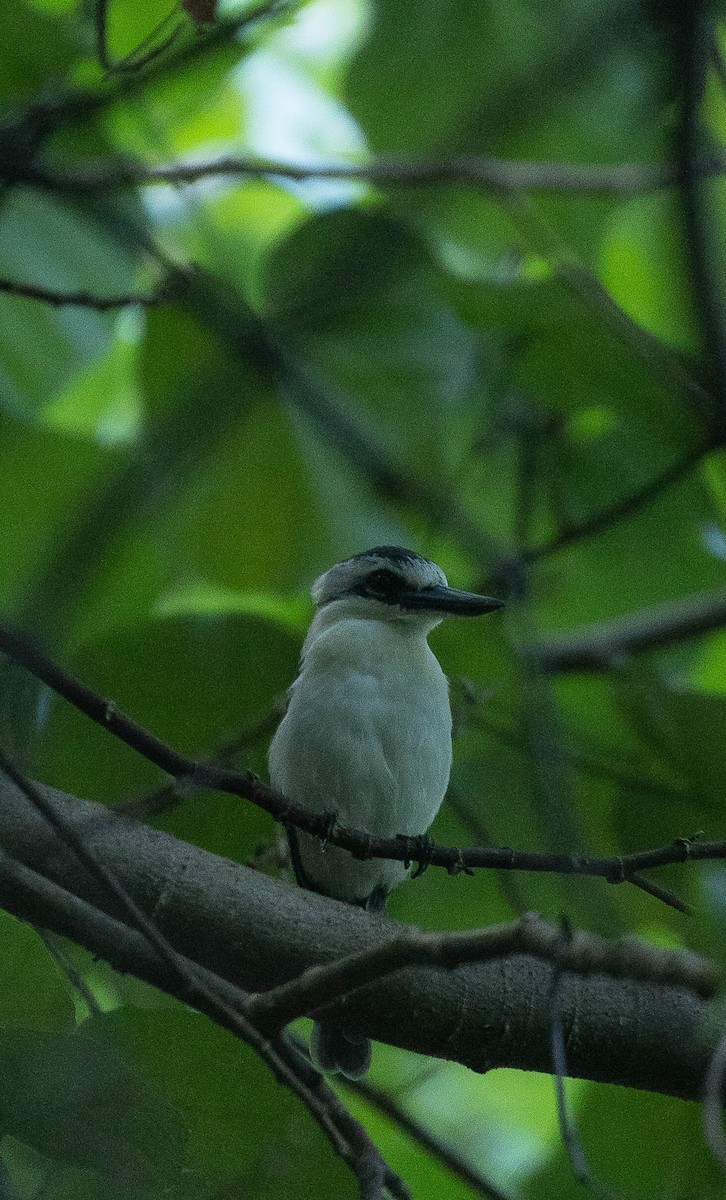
(333, 1049)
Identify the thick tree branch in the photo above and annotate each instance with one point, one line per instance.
(597, 647)
(35, 898)
(258, 933)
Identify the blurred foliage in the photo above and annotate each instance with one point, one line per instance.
(172, 480)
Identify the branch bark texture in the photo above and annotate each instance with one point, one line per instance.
(259, 933)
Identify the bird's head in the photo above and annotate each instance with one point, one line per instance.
(389, 583)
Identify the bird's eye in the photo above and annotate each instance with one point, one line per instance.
(383, 584)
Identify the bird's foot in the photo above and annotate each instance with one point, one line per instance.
(330, 820)
(418, 849)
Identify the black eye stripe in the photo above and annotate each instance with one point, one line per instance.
(381, 585)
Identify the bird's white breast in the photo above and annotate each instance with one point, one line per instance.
(367, 735)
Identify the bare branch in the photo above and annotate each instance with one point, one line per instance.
(618, 869)
(568, 1130)
(595, 762)
(81, 299)
(259, 933)
(32, 897)
(597, 647)
(142, 54)
(489, 174)
(692, 39)
(583, 953)
(628, 506)
(658, 892)
(166, 797)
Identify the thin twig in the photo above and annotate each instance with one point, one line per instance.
(53, 945)
(615, 869)
(599, 771)
(691, 51)
(77, 105)
(568, 1129)
(622, 510)
(100, 14)
(435, 1146)
(81, 299)
(477, 832)
(586, 764)
(658, 892)
(166, 797)
(138, 57)
(493, 174)
(568, 1132)
(716, 57)
(596, 647)
(671, 368)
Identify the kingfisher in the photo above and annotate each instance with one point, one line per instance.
(367, 733)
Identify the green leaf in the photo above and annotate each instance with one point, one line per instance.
(246, 1133)
(34, 993)
(644, 268)
(41, 49)
(74, 1098)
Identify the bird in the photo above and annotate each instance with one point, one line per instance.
(366, 737)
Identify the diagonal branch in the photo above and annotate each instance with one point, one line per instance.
(444, 1153)
(147, 50)
(81, 299)
(196, 988)
(596, 647)
(35, 898)
(628, 506)
(692, 38)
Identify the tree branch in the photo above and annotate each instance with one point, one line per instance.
(259, 933)
(596, 647)
(142, 54)
(81, 299)
(583, 954)
(692, 40)
(628, 506)
(444, 1153)
(362, 845)
(491, 174)
(146, 951)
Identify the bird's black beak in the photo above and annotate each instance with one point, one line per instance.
(448, 600)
